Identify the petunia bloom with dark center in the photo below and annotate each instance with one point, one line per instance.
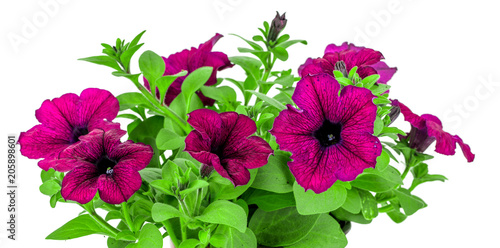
(331, 136)
(190, 60)
(346, 56)
(102, 163)
(65, 119)
(428, 128)
(222, 141)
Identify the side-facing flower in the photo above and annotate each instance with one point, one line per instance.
(428, 128)
(190, 60)
(347, 56)
(222, 141)
(102, 163)
(63, 120)
(331, 136)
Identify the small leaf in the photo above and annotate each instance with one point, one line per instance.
(225, 213)
(281, 53)
(162, 212)
(189, 243)
(194, 185)
(150, 237)
(103, 60)
(369, 207)
(409, 202)
(273, 102)
(50, 187)
(80, 226)
(131, 99)
(195, 80)
(308, 202)
(169, 140)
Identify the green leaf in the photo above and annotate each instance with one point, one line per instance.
(396, 216)
(169, 140)
(189, 243)
(270, 201)
(229, 237)
(273, 102)
(352, 202)
(152, 67)
(342, 214)
(225, 213)
(163, 185)
(378, 181)
(382, 161)
(222, 94)
(369, 81)
(103, 60)
(131, 99)
(162, 212)
(251, 43)
(282, 227)
(113, 215)
(150, 174)
(113, 243)
(379, 88)
(146, 133)
(280, 52)
(126, 236)
(127, 55)
(275, 175)
(80, 226)
(195, 80)
(150, 237)
(369, 207)
(378, 125)
(50, 187)
(409, 202)
(47, 175)
(312, 203)
(223, 189)
(194, 185)
(165, 81)
(325, 233)
(288, 43)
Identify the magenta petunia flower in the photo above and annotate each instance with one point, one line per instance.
(331, 136)
(428, 128)
(63, 120)
(221, 141)
(191, 60)
(102, 163)
(344, 57)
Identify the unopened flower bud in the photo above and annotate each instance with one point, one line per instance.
(340, 66)
(277, 25)
(393, 115)
(206, 170)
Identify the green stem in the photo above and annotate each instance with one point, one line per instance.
(171, 232)
(90, 209)
(386, 209)
(405, 172)
(126, 215)
(166, 110)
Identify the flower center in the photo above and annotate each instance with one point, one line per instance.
(105, 165)
(340, 66)
(77, 132)
(328, 134)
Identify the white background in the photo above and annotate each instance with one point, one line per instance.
(443, 51)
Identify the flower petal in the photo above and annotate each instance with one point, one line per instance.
(465, 149)
(251, 153)
(356, 110)
(121, 185)
(354, 154)
(43, 142)
(317, 95)
(235, 127)
(287, 135)
(132, 155)
(96, 104)
(207, 122)
(384, 71)
(80, 184)
(311, 166)
(195, 142)
(60, 113)
(234, 170)
(410, 117)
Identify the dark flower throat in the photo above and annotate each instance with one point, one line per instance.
(77, 132)
(328, 134)
(105, 165)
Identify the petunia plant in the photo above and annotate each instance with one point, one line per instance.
(265, 159)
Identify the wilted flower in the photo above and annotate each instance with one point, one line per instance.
(428, 128)
(63, 120)
(331, 136)
(344, 58)
(102, 163)
(277, 25)
(221, 141)
(190, 60)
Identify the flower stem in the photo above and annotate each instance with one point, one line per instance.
(126, 215)
(89, 207)
(171, 233)
(164, 109)
(405, 172)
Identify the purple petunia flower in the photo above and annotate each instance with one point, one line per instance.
(428, 128)
(190, 60)
(63, 120)
(102, 163)
(221, 141)
(331, 136)
(343, 58)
